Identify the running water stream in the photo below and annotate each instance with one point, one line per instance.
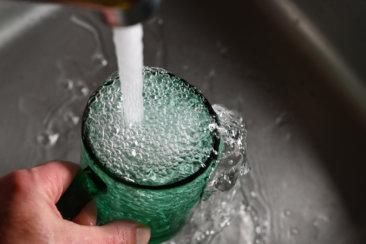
(222, 200)
(129, 52)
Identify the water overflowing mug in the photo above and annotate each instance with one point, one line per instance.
(153, 172)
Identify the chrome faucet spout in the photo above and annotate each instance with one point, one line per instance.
(116, 12)
(138, 12)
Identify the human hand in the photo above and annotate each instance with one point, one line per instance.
(28, 213)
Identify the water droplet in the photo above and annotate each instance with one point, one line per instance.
(98, 55)
(84, 91)
(282, 119)
(71, 118)
(258, 241)
(222, 48)
(81, 88)
(258, 230)
(47, 139)
(212, 127)
(287, 213)
(185, 67)
(294, 231)
(244, 170)
(133, 152)
(253, 194)
(160, 21)
(211, 74)
(100, 60)
(67, 84)
(288, 136)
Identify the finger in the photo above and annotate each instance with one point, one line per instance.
(125, 232)
(53, 178)
(115, 232)
(88, 215)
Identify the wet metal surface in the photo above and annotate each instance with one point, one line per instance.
(305, 144)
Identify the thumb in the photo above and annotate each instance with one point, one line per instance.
(116, 232)
(88, 215)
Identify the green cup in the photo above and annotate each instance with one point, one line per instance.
(159, 197)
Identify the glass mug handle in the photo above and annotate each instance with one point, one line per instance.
(85, 186)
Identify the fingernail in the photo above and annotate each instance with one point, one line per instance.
(142, 235)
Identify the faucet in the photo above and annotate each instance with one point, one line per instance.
(116, 12)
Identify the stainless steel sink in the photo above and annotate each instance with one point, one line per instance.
(306, 139)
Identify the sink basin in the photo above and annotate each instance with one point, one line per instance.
(305, 137)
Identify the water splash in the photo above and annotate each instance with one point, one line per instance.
(233, 161)
(57, 126)
(226, 215)
(98, 57)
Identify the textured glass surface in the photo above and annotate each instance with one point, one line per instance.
(183, 129)
(164, 211)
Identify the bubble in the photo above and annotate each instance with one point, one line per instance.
(185, 67)
(175, 135)
(259, 241)
(258, 230)
(81, 89)
(71, 118)
(160, 21)
(294, 231)
(67, 84)
(99, 59)
(282, 119)
(47, 139)
(212, 127)
(287, 213)
(223, 50)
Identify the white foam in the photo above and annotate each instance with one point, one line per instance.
(129, 52)
(173, 141)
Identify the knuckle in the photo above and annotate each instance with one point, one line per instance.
(21, 185)
(18, 209)
(19, 181)
(16, 191)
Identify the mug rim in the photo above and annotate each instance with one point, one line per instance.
(212, 157)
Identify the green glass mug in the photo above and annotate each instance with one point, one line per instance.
(163, 204)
